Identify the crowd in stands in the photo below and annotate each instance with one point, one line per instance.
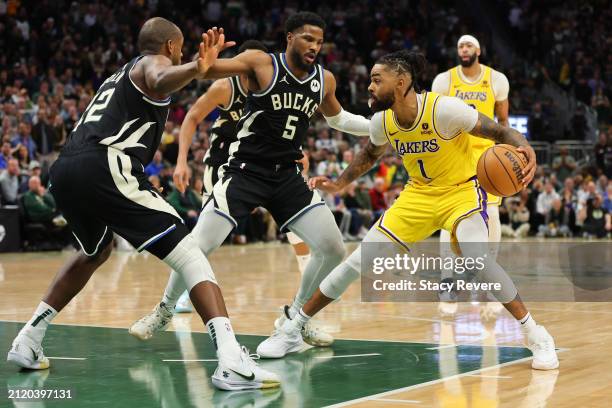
(56, 54)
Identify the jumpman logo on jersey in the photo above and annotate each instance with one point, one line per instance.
(284, 79)
(238, 100)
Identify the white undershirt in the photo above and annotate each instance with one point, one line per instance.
(499, 83)
(452, 116)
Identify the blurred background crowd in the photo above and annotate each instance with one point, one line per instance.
(554, 53)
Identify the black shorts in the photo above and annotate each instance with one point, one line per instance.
(279, 189)
(211, 176)
(103, 191)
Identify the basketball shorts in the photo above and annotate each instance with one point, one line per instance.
(211, 177)
(103, 191)
(280, 189)
(419, 211)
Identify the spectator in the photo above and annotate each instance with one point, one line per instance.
(47, 140)
(603, 149)
(377, 197)
(324, 142)
(564, 164)
(9, 182)
(545, 199)
(518, 217)
(156, 166)
(329, 167)
(5, 155)
(559, 221)
(24, 138)
(34, 170)
(40, 205)
(601, 104)
(360, 216)
(596, 220)
(187, 204)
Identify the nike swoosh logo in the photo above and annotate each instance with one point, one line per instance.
(248, 378)
(391, 134)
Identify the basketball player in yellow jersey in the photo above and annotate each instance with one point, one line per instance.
(486, 90)
(431, 134)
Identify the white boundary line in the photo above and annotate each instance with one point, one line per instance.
(349, 355)
(67, 358)
(401, 401)
(187, 360)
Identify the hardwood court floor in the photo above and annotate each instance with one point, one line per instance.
(409, 358)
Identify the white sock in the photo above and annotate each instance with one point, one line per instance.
(294, 309)
(174, 289)
(527, 323)
(222, 335)
(302, 261)
(301, 318)
(37, 326)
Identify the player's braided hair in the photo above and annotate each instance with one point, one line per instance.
(403, 62)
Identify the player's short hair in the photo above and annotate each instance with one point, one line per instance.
(404, 61)
(154, 33)
(302, 18)
(252, 45)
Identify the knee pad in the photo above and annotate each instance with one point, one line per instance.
(336, 283)
(188, 260)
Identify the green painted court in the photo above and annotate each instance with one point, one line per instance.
(106, 367)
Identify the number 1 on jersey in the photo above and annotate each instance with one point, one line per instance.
(289, 132)
(422, 168)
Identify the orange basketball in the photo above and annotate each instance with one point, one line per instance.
(499, 170)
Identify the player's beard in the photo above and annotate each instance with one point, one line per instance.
(469, 62)
(382, 103)
(297, 60)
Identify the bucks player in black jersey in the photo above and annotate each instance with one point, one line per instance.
(285, 90)
(99, 184)
(228, 95)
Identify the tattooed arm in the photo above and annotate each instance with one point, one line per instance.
(363, 161)
(489, 129)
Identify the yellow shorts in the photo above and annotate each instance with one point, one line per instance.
(419, 211)
(493, 200)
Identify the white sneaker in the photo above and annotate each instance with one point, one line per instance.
(183, 305)
(156, 321)
(243, 374)
(287, 339)
(312, 333)
(27, 353)
(542, 346)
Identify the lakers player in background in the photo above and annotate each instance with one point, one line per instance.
(485, 90)
(431, 133)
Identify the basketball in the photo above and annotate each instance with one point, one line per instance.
(499, 170)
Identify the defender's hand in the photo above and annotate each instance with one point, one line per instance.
(213, 43)
(324, 184)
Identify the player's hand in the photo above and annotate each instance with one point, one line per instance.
(324, 184)
(530, 168)
(213, 43)
(181, 176)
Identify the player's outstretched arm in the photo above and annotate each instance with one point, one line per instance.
(363, 161)
(337, 117)
(163, 78)
(489, 129)
(219, 93)
(244, 63)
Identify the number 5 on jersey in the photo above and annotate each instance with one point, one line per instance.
(289, 132)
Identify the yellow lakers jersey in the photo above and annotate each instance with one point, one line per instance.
(429, 158)
(479, 95)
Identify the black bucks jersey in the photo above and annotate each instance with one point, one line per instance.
(223, 131)
(276, 119)
(121, 116)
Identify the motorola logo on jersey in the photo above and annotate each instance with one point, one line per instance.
(315, 86)
(288, 100)
(422, 146)
(474, 96)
